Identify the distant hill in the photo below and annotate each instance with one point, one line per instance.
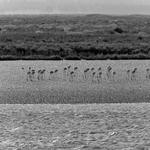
(90, 36)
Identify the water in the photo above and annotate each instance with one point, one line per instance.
(12, 69)
(75, 127)
(15, 89)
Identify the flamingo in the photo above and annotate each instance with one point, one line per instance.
(99, 77)
(148, 73)
(51, 75)
(43, 74)
(108, 73)
(29, 75)
(72, 75)
(85, 74)
(93, 76)
(134, 72)
(76, 70)
(65, 73)
(56, 74)
(69, 70)
(114, 75)
(99, 69)
(128, 75)
(32, 75)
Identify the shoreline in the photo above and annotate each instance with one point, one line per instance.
(53, 58)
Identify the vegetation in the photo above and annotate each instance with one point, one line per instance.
(51, 37)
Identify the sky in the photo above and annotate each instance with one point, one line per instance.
(117, 7)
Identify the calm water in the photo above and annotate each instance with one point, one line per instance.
(10, 71)
(15, 89)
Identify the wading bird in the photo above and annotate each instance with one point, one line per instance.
(76, 71)
(68, 70)
(32, 75)
(99, 77)
(39, 74)
(114, 75)
(148, 73)
(29, 75)
(128, 75)
(108, 72)
(65, 73)
(56, 74)
(85, 74)
(99, 69)
(51, 75)
(43, 74)
(72, 75)
(134, 74)
(93, 76)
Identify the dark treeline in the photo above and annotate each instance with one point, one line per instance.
(76, 51)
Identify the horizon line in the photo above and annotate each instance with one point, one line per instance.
(80, 13)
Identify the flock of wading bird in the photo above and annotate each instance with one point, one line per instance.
(72, 74)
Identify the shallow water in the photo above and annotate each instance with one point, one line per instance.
(15, 89)
(13, 68)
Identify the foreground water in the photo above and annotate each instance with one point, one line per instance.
(75, 127)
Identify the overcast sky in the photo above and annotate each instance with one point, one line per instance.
(75, 6)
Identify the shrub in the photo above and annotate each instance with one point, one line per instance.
(55, 57)
(118, 30)
(41, 57)
(8, 57)
(73, 57)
